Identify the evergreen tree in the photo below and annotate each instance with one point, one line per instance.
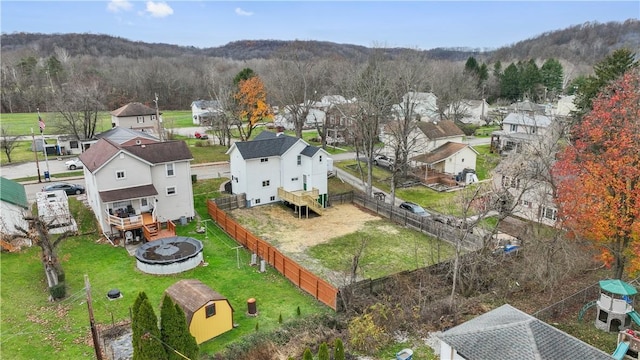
(244, 74)
(530, 79)
(510, 83)
(189, 345)
(307, 355)
(136, 331)
(323, 352)
(606, 71)
(471, 66)
(149, 343)
(551, 75)
(170, 329)
(338, 350)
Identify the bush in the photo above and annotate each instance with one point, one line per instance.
(338, 351)
(58, 291)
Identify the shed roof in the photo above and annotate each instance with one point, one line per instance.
(13, 193)
(508, 333)
(133, 109)
(193, 294)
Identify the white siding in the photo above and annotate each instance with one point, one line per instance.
(136, 173)
(465, 158)
(12, 215)
(173, 207)
(259, 171)
(448, 353)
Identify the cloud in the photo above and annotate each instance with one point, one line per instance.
(159, 9)
(119, 5)
(241, 12)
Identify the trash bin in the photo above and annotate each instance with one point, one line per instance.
(194, 178)
(46, 176)
(183, 220)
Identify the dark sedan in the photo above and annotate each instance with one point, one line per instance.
(70, 189)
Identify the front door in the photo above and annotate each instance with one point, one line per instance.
(304, 182)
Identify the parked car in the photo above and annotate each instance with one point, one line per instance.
(382, 160)
(201, 136)
(73, 164)
(414, 208)
(70, 189)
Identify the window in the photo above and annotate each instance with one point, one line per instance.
(514, 128)
(549, 213)
(257, 201)
(320, 158)
(171, 190)
(144, 202)
(153, 117)
(210, 310)
(273, 198)
(73, 144)
(510, 182)
(294, 179)
(265, 183)
(299, 160)
(462, 160)
(525, 203)
(264, 160)
(140, 119)
(236, 179)
(120, 174)
(170, 170)
(534, 129)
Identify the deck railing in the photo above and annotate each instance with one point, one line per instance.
(130, 222)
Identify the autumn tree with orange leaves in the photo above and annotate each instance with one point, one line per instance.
(598, 176)
(252, 107)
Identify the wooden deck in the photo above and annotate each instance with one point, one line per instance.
(302, 198)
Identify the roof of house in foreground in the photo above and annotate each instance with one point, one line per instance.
(508, 333)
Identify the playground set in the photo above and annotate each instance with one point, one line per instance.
(615, 312)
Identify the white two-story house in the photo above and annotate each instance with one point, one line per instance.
(277, 167)
(204, 111)
(132, 185)
(137, 116)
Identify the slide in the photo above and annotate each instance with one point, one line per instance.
(621, 351)
(634, 316)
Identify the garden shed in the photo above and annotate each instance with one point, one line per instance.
(208, 313)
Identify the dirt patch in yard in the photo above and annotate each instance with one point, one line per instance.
(281, 227)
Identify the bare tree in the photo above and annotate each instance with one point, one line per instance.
(294, 83)
(372, 87)
(452, 86)
(8, 142)
(77, 105)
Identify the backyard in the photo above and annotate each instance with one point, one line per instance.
(33, 328)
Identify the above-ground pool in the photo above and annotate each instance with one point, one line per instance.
(170, 255)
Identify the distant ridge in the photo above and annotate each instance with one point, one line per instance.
(586, 43)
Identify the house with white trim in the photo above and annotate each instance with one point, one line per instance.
(450, 158)
(276, 167)
(425, 136)
(204, 111)
(137, 183)
(518, 129)
(136, 116)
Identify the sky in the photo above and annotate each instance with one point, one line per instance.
(412, 24)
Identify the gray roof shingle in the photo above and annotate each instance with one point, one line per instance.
(133, 109)
(508, 333)
(266, 144)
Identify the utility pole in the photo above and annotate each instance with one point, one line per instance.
(35, 151)
(94, 330)
(47, 174)
(160, 129)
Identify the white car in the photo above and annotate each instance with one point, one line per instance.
(73, 164)
(384, 161)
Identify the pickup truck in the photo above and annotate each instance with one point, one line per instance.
(382, 160)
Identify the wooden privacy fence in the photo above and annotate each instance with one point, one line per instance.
(304, 279)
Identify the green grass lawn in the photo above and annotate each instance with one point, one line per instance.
(33, 328)
(389, 248)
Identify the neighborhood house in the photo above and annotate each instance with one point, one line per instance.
(277, 167)
(136, 187)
